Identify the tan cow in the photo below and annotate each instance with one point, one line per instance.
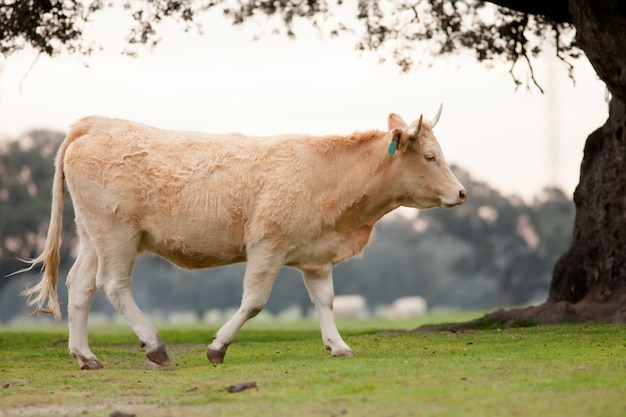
(202, 200)
(352, 306)
(408, 307)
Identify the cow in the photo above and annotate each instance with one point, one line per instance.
(204, 200)
(408, 307)
(352, 306)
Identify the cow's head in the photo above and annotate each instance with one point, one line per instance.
(421, 170)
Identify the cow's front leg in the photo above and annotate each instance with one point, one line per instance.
(319, 282)
(257, 286)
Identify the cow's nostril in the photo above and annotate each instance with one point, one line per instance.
(462, 195)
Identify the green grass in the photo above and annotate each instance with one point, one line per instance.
(566, 370)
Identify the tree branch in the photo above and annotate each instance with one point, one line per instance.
(556, 10)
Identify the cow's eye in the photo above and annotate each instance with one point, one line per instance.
(430, 157)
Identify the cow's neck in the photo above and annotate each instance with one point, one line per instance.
(365, 184)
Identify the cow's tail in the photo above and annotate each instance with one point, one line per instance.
(46, 289)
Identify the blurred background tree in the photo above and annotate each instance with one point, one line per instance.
(26, 171)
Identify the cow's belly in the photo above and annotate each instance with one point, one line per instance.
(194, 250)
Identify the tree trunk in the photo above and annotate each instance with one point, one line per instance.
(591, 275)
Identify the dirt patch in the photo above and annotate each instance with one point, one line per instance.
(50, 410)
(56, 410)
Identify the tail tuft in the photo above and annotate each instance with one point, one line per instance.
(46, 289)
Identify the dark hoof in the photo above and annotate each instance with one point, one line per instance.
(344, 353)
(91, 365)
(159, 356)
(215, 356)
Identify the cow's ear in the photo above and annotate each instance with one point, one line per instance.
(398, 140)
(396, 121)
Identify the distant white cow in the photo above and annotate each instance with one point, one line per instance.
(350, 307)
(408, 307)
(201, 200)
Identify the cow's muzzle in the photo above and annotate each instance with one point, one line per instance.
(455, 201)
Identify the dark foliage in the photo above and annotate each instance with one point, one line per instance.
(515, 33)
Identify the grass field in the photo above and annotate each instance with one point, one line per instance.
(566, 370)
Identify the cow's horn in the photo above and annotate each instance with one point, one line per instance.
(436, 118)
(419, 127)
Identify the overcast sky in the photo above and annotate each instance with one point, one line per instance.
(223, 81)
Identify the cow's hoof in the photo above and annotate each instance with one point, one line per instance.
(215, 356)
(90, 365)
(347, 353)
(159, 356)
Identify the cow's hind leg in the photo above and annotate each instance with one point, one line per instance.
(115, 265)
(319, 282)
(257, 286)
(81, 286)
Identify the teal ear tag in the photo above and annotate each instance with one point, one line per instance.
(393, 146)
